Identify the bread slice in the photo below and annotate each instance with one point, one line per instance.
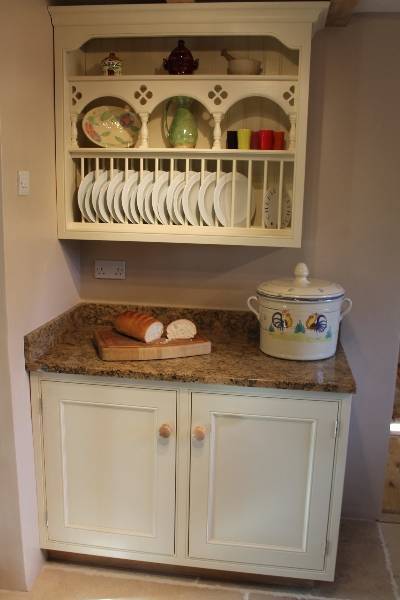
(181, 329)
(140, 326)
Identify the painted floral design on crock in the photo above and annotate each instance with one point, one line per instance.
(282, 323)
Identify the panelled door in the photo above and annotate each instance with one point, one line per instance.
(261, 473)
(110, 465)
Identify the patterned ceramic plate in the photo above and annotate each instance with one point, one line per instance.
(111, 127)
(271, 208)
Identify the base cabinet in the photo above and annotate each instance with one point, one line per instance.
(222, 479)
(261, 480)
(110, 476)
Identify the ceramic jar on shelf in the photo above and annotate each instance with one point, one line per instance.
(299, 317)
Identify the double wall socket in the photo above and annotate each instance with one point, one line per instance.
(109, 269)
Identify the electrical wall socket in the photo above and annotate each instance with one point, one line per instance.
(109, 269)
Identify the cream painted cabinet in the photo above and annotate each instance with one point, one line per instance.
(110, 475)
(219, 477)
(261, 479)
(108, 161)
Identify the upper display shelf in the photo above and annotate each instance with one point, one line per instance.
(173, 78)
(259, 55)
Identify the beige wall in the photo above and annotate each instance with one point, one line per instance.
(40, 276)
(351, 234)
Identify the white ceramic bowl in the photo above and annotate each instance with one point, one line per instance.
(244, 66)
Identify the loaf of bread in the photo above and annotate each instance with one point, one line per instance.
(181, 329)
(140, 326)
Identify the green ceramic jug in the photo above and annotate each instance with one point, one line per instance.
(183, 131)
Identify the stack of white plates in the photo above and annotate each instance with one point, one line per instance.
(183, 199)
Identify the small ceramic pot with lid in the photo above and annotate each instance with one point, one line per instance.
(300, 317)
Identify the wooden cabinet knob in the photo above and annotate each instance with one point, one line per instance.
(165, 430)
(199, 433)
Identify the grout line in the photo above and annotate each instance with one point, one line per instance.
(388, 563)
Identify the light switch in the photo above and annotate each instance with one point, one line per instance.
(23, 183)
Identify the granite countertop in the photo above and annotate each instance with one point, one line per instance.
(64, 345)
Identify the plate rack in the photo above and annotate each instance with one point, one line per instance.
(261, 205)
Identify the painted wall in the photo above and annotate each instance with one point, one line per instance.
(38, 276)
(351, 222)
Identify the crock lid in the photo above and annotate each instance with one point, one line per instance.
(300, 287)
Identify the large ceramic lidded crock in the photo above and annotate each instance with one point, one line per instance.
(299, 317)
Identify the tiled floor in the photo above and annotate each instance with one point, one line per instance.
(368, 568)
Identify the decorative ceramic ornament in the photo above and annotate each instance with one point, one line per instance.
(180, 61)
(111, 65)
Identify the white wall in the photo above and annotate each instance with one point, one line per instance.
(40, 275)
(351, 235)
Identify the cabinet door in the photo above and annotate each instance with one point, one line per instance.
(110, 476)
(261, 479)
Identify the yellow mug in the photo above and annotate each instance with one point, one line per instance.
(244, 136)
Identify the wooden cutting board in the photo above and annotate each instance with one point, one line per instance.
(115, 346)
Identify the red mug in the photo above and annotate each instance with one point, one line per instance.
(255, 140)
(279, 140)
(266, 139)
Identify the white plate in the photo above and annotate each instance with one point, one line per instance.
(146, 180)
(176, 181)
(177, 203)
(148, 204)
(271, 203)
(162, 205)
(206, 198)
(114, 182)
(117, 203)
(190, 199)
(85, 183)
(159, 194)
(102, 209)
(126, 192)
(87, 204)
(223, 200)
(133, 212)
(98, 184)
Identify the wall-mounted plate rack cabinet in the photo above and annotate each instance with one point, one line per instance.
(205, 194)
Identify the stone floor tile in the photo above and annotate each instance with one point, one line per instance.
(391, 535)
(361, 572)
(65, 584)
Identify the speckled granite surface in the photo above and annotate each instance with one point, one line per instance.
(65, 345)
